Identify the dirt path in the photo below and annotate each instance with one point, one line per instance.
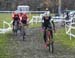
(33, 47)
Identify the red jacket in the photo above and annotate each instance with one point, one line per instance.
(24, 17)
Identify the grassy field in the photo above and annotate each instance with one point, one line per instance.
(4, 45)
(5, 17)
(64, 39)
(59, 36)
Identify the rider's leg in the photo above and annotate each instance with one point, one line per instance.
(52, 41)
(44, 36)
(13, 25)
(51, 33)
(45, 39)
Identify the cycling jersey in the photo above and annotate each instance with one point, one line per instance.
(46, 22)
(16, 18)
(24, 19)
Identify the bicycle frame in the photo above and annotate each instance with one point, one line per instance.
(48, 36)
(23, 31)
(15, 27)
(49, 39)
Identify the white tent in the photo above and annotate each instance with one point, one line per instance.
(23, 8)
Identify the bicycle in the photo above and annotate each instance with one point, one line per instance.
(16, 27)
(49, 40)
(23, 29)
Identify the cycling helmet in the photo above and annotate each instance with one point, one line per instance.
(16, 15)
(47, 13)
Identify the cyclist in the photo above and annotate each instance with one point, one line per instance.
(24, 19)
(67, 16)
(16, 19)
(47, 23)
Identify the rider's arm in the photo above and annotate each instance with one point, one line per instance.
(27, 19)
(42, 22)
(53, 25)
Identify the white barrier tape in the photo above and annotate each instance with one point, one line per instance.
(70, 27)
(68, 31)
(4, 30)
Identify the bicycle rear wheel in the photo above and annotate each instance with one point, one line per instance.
(51, 43)
(23, 32)
(15, 31)
(24, 36)
(51, 47)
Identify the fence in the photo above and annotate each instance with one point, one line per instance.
(34, 16)
(69, 27)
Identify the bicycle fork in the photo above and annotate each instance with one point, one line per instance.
(50, 42)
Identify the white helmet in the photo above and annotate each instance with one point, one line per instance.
(47, 13)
